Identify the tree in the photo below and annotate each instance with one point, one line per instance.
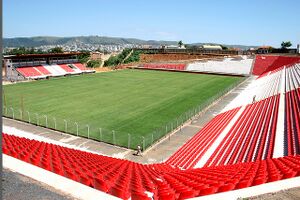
(285, 45)
(84, 57)
(118, 59)
(94, 63)
(224, 47)
(23, 50)
(56, 50)
(180, 43)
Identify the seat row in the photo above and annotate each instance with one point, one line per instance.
(43, 71)
(292, 125)
(264, 64)
(179, 67)
(251, 137)
(126, 179)
(192, 151)
(233, 65)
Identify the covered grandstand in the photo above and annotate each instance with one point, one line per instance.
(40, 66)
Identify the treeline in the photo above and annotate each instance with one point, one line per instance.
(119, 59)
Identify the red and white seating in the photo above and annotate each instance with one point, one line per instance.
(82, 67)
(70, 69)
(252, 136)
(267, 63)
(126, 179)
(55, 70)
(240, 66)
(30, 72)
(191, 152)
(238, 146)
(43, 71)
(292, 116)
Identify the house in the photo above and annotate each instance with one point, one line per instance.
(263, 49)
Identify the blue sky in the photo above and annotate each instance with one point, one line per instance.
(248, 22)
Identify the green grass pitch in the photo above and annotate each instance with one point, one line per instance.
(135, 102)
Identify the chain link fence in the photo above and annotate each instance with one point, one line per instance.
(123, 139)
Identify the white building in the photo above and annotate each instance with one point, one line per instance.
(212, 47)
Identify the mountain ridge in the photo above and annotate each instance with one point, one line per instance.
(37, 41)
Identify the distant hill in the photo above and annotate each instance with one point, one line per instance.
(49, 40)
(44, 40)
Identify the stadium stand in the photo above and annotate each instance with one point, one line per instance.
(67, 69)
(126, 179)
(264, 64)
(70, 69)
(261, 88)
(38, 66)
(239, 65)
(82, 67)
(42, 70)
(30, 72)
(55, 70)
(252, 136)
(190, 153)
(293, 77)
(292, 116)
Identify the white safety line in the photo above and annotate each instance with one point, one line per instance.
(279, 134)
(217, 142)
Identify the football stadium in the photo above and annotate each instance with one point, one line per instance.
(253, 140)
(154, 120)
